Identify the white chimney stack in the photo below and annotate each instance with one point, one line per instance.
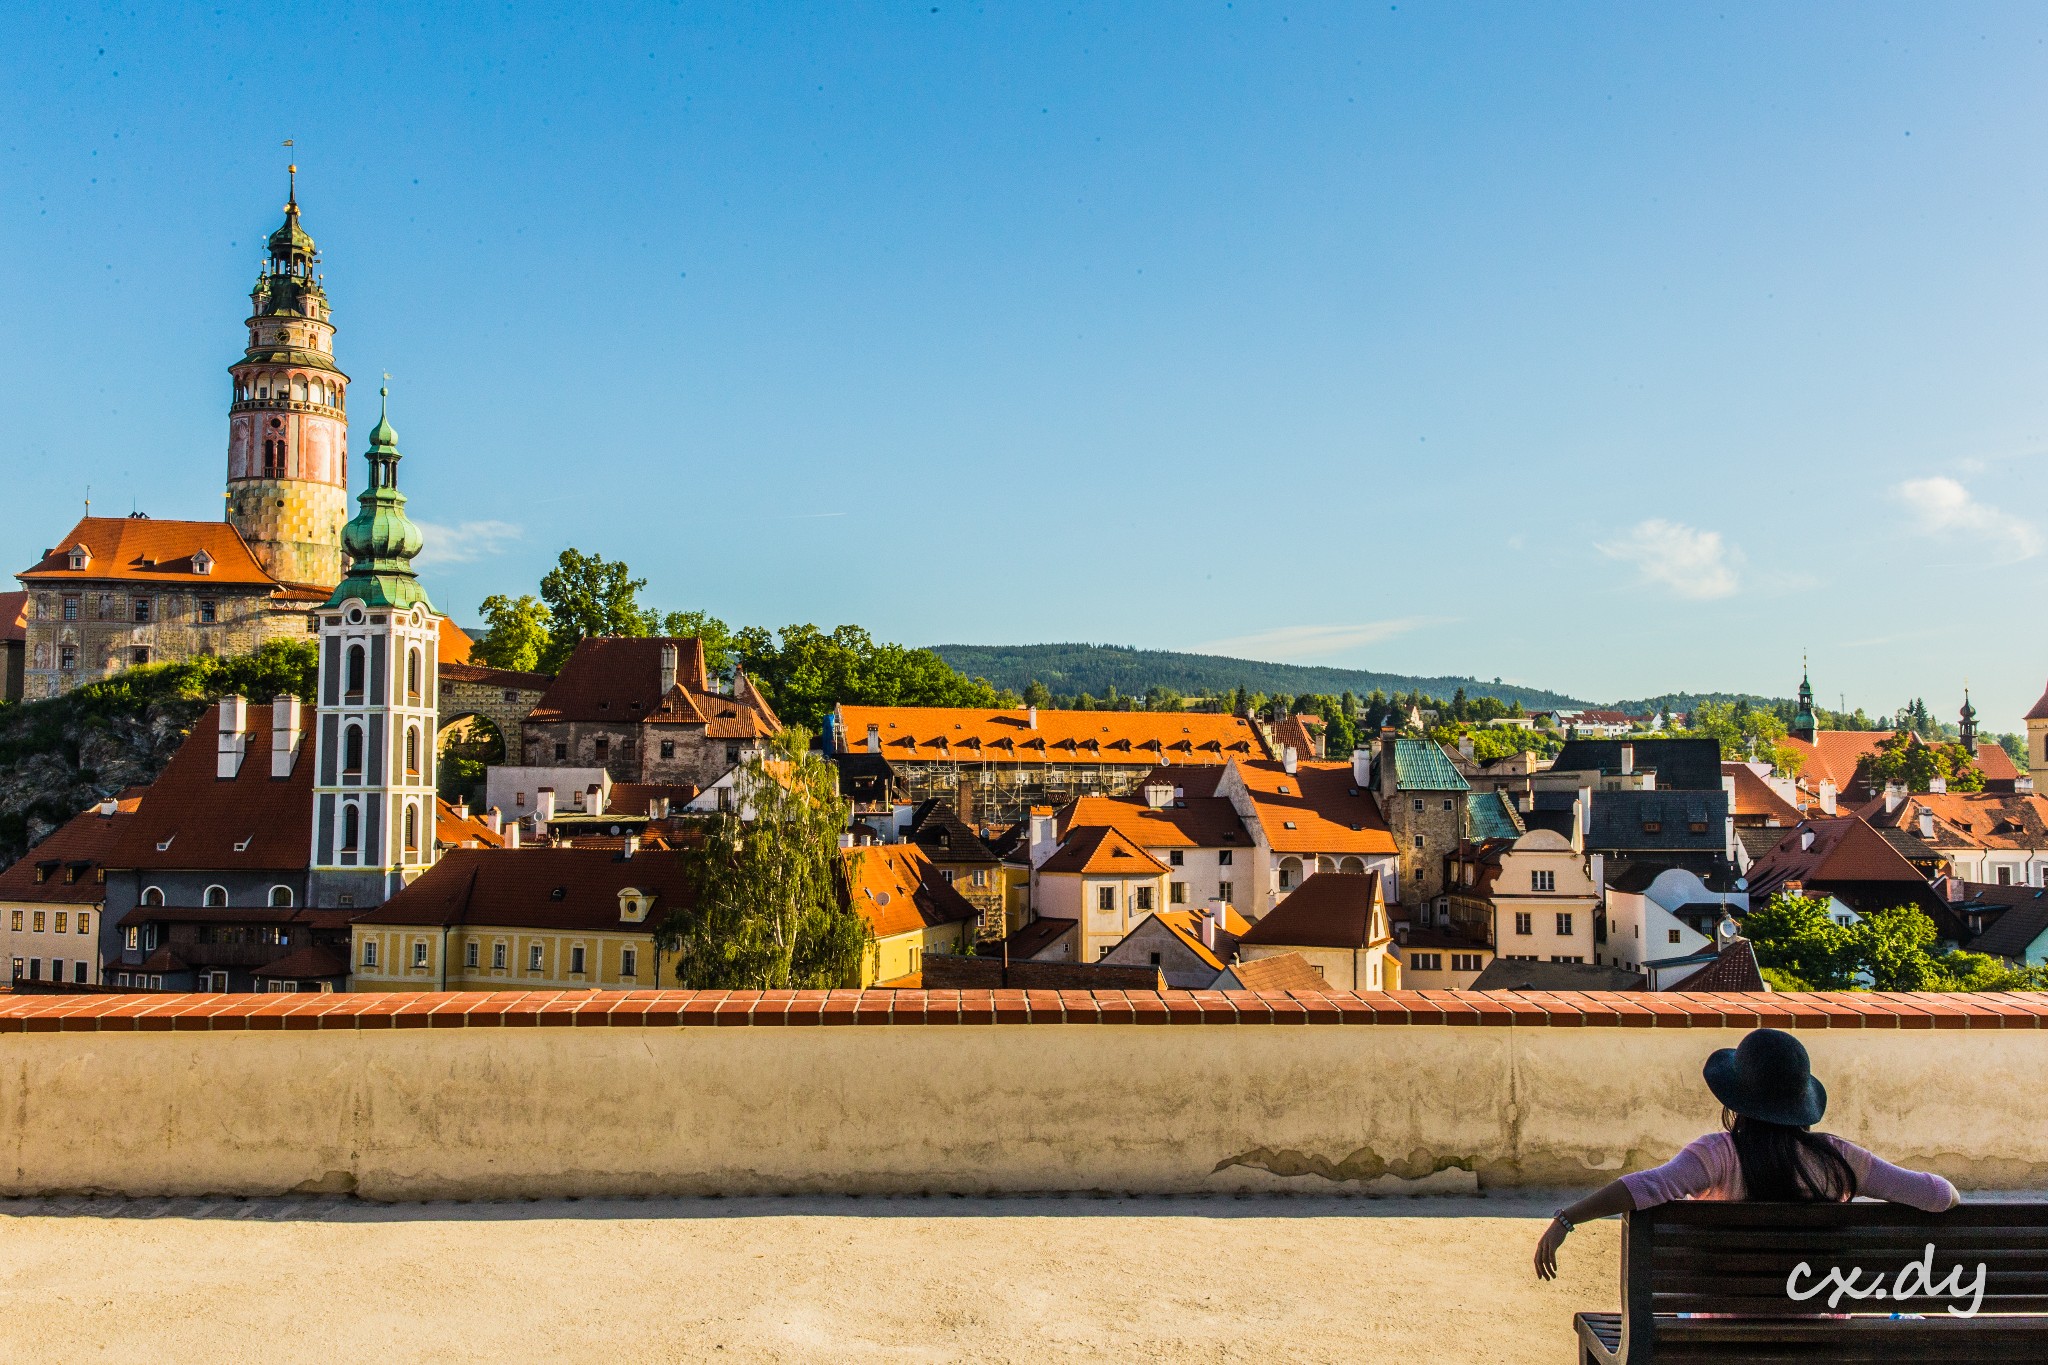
(494, 820)
(1827, 796)
(1361, 767)
(1628, 759)
(284, 735)
(1936, 785)
(874, 739)
(1210, 919)
(234, 737)
(544, 805)
(668, 669)
(1287, 759)
(1031, 717)
(1894, 796)
(1805, 840)
(512, 835)
(1926, 823)
(632, 844)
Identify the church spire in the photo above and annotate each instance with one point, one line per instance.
(380, 539)
(1968, 734)
(1804, 725)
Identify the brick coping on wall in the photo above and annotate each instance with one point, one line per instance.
(669, 1009)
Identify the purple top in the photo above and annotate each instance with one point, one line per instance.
(1709, 1169)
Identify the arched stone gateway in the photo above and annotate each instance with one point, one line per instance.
(497, 696)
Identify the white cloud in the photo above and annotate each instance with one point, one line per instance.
(1302, 642)
(1943, 507)
(464, 542)
(1690, 562)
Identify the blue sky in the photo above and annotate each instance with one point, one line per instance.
(1614, 349)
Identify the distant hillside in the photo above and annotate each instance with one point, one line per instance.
(1071, 669)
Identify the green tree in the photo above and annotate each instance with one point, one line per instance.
(807, 671)
(588, 596)
(515, 633)
(1795, 935)
(1906, 758)
(718, 638)
(770, 908)
(1895, 947)
(1745, 733)
(1038, 694)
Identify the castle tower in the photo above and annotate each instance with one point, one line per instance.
(288, 424)
(373, 788)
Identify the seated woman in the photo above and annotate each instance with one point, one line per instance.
(1770, 1100)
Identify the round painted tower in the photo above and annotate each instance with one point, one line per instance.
(288, 426)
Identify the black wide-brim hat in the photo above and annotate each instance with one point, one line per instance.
(1768, 1077)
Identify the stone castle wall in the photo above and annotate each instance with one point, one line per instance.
(104, 637)
(293, 527)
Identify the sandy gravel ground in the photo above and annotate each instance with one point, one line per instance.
(1057, 1279)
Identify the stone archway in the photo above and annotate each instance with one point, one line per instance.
(469, 745)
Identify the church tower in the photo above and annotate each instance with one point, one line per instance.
(288, 425)
(373, 788)
(1804, 726)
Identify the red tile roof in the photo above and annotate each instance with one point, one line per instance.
(188, 818)
(896, 890)
(1200, 822)
(1986, 820)
(2040, 709)
(1280, 972)
(539, 887)
(1317, 809)
(70, 859)
(1734, 970)
(965, 735)
(462, 831)
(142, 549)
(1329, 910)
(1834, 755)
(1186, 925)
(1844, 849)
(1303, 733)
(13, 616)
(1102, 851)
(493, 677)
(454, 643)
(617, 680)
(1755, 798)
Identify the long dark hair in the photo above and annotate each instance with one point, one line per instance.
(1783, 1164)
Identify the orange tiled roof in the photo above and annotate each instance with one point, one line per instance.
(967, 735)
(13, 616)
(1329, 910)
(1200, 822)
(454, 643)
(452, 830)
(1754, 796)
(897, 890)
(1100, 851)
(617, 680)
(1186, 926)
(541, 887)
(494, 677)
(70, 858)
(141, 549)
(1280, 972)
(1317, 809)
(1987, 820)
(188, 818)
(1834, 754)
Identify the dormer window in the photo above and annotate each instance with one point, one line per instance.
(634, 905)
(79, 558)
(202, 563)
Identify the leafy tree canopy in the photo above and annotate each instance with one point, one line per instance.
(1799, 947)
(586, 596)
(515, 633)
(1906, 758)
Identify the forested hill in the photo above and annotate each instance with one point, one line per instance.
(1094, 669)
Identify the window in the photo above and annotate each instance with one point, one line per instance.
(357, 667)
(668, 748)
(1465, 962)
(152, 895)
(63, 922)
(412, 673)
(351, 829)
(35, 969)
(1105, 898)
(71, 609)
(79, 973)
(1418, 805)
(576, 960)
(629, 962)
(142, 611)
(946, 875)
(280, 895)
(561, 753)
(1223, 890)
(2005, 876)
(39, 920)
(1426, 962)
(1155, 959)
(1144, 898)
(472, 952)
(1558, 957)
(139, 655)
(979, 879)
(134, 940)
(216, 896)
(1418, 841)
(1677, 935)
(67, 656)
(1522, 922)
(533, 958)
(352, 751)
(1564, 923)
(369, 952)
(602, 747)
(15, 923)
(1543, 880)
(412, 751)
(497, 957)
(1449, 804)
(1175, 857)
(419, 953)
(1653, 826)
(1100, 953)
(1223, 857)
(412, 829)
(209, 612)
(1176, 893)
(732, 753)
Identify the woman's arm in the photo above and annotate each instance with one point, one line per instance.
(1610, 1198)
(1879, 1179)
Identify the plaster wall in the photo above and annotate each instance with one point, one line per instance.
(501, 1112)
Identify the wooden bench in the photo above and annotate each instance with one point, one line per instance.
(1734, 1269)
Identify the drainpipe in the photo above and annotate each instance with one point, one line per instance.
(444, 957)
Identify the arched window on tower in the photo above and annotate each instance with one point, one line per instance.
(412, 751)
(355, 672)
(351, 828)
(412, 674)
(352, 751)
(299, 388)
(412, 828)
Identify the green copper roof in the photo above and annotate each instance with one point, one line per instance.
(1493, 817)
(290, 241)
(1421, 765)
(380, 539)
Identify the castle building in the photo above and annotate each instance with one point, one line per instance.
(120, 591)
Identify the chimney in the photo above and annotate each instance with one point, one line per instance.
(1211, 917)
(1926, 823)
(284, 734)
(1158, 795)
(494, 820)
(1805, 839)
(1936, 785)
(965, 804)
(874, 739)
(846, 838)
(544, 805)
(512, 835)
(1628, 759)
(462, 809)
(1288, 760)
(234, 738)
(632, 844)
(1031, 717)
(109, 806)
(657, 808)
(1361, 767)
(668, 669)
(1827, 796)
(1465, 746)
